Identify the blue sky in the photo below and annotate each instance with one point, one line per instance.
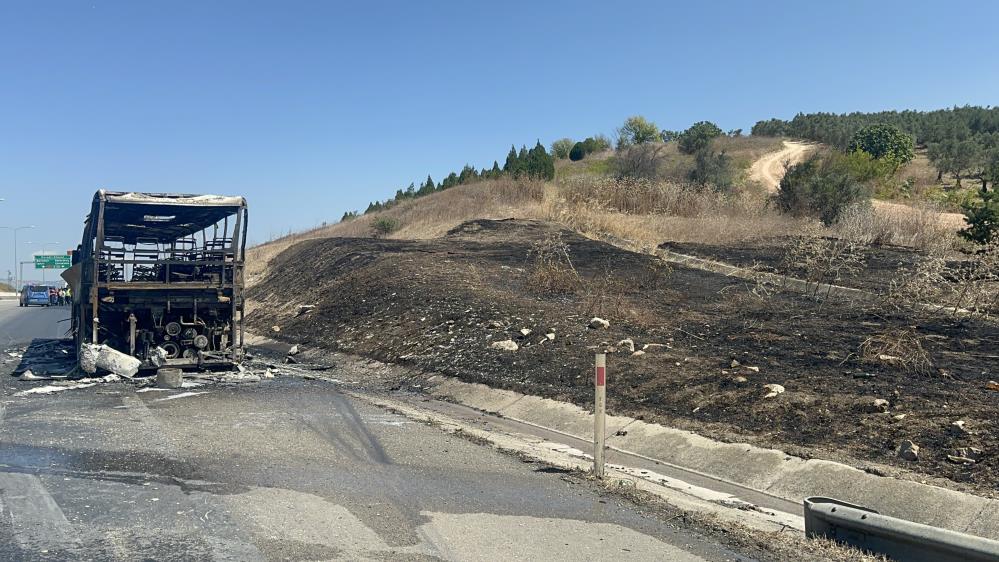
(313, 108)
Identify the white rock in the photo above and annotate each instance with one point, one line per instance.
(525, 332)
(753, 369)
(628, 343)
(505, 345)
(908, 450)
(597, 323)
(735, 363)
(29, 376)
(773, 390)
(294, 350)
(879, 405)
(957, 428)
(650, 346)
(550, 336)
(637, 353)
(276, 328)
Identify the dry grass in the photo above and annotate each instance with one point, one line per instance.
(901, 347)
(746, 150)
(918, 226)
(552, 272)
(644, 214)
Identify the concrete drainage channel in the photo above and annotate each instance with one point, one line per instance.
(697, 484)
(865, 528)
(768, 478)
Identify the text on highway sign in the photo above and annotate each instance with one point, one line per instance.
(53, 262)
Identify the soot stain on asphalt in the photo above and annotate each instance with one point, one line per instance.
(125, 467)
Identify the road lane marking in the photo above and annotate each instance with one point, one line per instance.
(181, 395)
(37, 520)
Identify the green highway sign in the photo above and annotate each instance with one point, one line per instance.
(51, 261)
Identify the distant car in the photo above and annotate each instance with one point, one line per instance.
(35, 294)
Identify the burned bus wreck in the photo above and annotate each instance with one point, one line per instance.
(160, 277)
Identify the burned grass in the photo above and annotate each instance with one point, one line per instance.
(704, 344)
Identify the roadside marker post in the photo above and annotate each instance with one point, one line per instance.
(599, 414)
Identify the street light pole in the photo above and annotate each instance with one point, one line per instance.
(17, 282)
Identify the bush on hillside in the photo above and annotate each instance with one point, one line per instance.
(885, 143)
(643, 161)
(713, 169)
(820, 187)
(983, 218)
(561, 148)
(637, 130)
(698, 137)
(584, 148)
(383, 226)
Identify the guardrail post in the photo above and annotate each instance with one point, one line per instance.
(599, 414)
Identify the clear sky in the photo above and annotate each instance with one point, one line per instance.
(311, 108)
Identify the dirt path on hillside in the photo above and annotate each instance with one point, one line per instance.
(769, 169)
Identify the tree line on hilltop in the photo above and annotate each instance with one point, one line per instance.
(962, 141)
(534, 163)
(867, 151)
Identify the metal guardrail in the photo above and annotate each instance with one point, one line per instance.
(897, 538)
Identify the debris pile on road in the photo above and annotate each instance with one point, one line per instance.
(43, 358)
(52, 362)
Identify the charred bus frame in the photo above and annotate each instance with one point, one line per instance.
(160, 277)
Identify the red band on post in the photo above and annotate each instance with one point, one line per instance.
(601, 376)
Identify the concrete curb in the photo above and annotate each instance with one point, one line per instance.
(767, 470)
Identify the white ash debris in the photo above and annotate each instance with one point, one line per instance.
(93, 357)
(598, 323)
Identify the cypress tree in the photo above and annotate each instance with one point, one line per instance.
(511, 161)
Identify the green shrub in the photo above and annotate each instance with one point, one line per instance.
(698, 137)
(636, 130)
(384, 226)
(982, 217)
(577, 152)
(561, 148)
(884, 142)
(821, 187)
(713, 169)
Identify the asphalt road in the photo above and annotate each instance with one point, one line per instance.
(284, 469)
(19, 325)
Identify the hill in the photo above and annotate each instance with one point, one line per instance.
(691, 348)
(637, 214)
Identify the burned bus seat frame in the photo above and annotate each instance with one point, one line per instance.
(160, 277)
